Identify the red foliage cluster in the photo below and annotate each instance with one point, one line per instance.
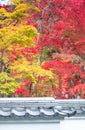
(61, 24)
(22, 92)
(60, 47)
(4, 6)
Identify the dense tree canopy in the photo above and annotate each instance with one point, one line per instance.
(17, 41)
(42, 48)
(61, 25)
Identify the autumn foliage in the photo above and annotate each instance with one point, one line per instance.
(42, 49)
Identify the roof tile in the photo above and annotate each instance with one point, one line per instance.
(48, 109)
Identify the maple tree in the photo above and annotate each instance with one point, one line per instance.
(47, 62)
(61, 24)
(15, 38)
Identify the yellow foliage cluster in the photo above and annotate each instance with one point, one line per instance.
(14, 32)
(23, 35)
(32, 71)
(7, 84)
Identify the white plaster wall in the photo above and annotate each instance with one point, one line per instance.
(72, 125)
(64, 125)
(40, 126)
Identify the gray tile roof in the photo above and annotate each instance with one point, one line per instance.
(36, 109)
